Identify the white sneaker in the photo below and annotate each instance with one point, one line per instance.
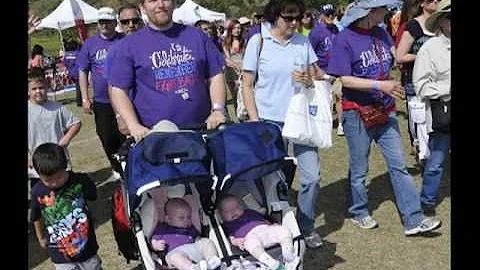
(116, 175)
(428, 224)
(201, 265)
(293, 264)
(214, 262)
(340, 130)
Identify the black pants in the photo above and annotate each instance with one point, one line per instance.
(107, 130)
(78, 94)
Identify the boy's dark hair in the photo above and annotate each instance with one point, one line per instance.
(37, 49)
(49, 158)
(36, 73)
(275, 7)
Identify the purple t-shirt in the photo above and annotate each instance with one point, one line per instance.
(174, 236)
(70, 62)
(252, 31)
(169, 73)
(92, 58)
(321, 39)
(241, 226)
(360, 54)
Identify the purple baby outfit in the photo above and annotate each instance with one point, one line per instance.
(174, 236)
(241, 226)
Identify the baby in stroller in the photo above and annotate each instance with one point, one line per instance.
(180, 239)
(249, 230)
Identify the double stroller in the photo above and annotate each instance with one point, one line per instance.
(244, 160)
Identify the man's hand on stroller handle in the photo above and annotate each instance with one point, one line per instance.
(216, 118)
(138, 131)
(159, 245)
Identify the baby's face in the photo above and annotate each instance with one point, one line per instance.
(231, 209)
(179, 217)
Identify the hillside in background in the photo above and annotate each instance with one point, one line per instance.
(233, 8)
(49, 38)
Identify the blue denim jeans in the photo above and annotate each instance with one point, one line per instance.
(438, 144)
(388, 138)
(308, 163)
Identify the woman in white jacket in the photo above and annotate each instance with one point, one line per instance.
(432, 78)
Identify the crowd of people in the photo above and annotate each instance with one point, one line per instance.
(160, 69)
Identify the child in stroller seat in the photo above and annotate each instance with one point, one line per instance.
(250, 231)
(181, 241)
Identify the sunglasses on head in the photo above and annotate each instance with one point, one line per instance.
(431, 1)
(105, 21)
(133, 20)
(291, 18)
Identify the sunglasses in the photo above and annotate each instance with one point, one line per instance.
(105, 21)
(431, 1)
(133, 20)
(291, 18)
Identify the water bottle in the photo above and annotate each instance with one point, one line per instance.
(299, 65)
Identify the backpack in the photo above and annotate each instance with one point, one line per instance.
(121, 226)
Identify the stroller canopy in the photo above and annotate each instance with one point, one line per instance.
(166, 159)
(247, 151)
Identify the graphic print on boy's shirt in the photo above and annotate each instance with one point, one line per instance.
(70, 233)
(65, 220)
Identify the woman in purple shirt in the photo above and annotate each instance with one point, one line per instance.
(362, 58)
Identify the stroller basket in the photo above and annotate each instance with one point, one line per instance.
(247, 151)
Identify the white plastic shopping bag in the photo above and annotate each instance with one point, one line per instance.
(296, 127)
(416, 109)
(241, 112)
(309, 116)
(321, 121)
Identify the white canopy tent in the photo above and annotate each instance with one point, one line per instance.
(65, 15)
(67, 12)
(190, 12)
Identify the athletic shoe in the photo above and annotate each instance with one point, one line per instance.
(367, 222)
(313, 240)
(428, 224)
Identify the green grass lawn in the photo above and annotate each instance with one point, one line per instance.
(347, 247)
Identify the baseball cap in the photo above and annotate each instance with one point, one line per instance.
(243, 20)
(327, 9)
(106, 13)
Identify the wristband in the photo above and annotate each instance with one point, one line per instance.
(376, 86)
(218, 107)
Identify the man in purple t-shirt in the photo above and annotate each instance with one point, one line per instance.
(176, 74)
(92, 59)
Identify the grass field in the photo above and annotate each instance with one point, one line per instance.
(347, 247)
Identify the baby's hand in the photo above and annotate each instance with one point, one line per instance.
(159, 245)
(239, 242)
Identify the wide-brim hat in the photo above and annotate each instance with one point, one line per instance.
(360, 8)
(432, 22)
